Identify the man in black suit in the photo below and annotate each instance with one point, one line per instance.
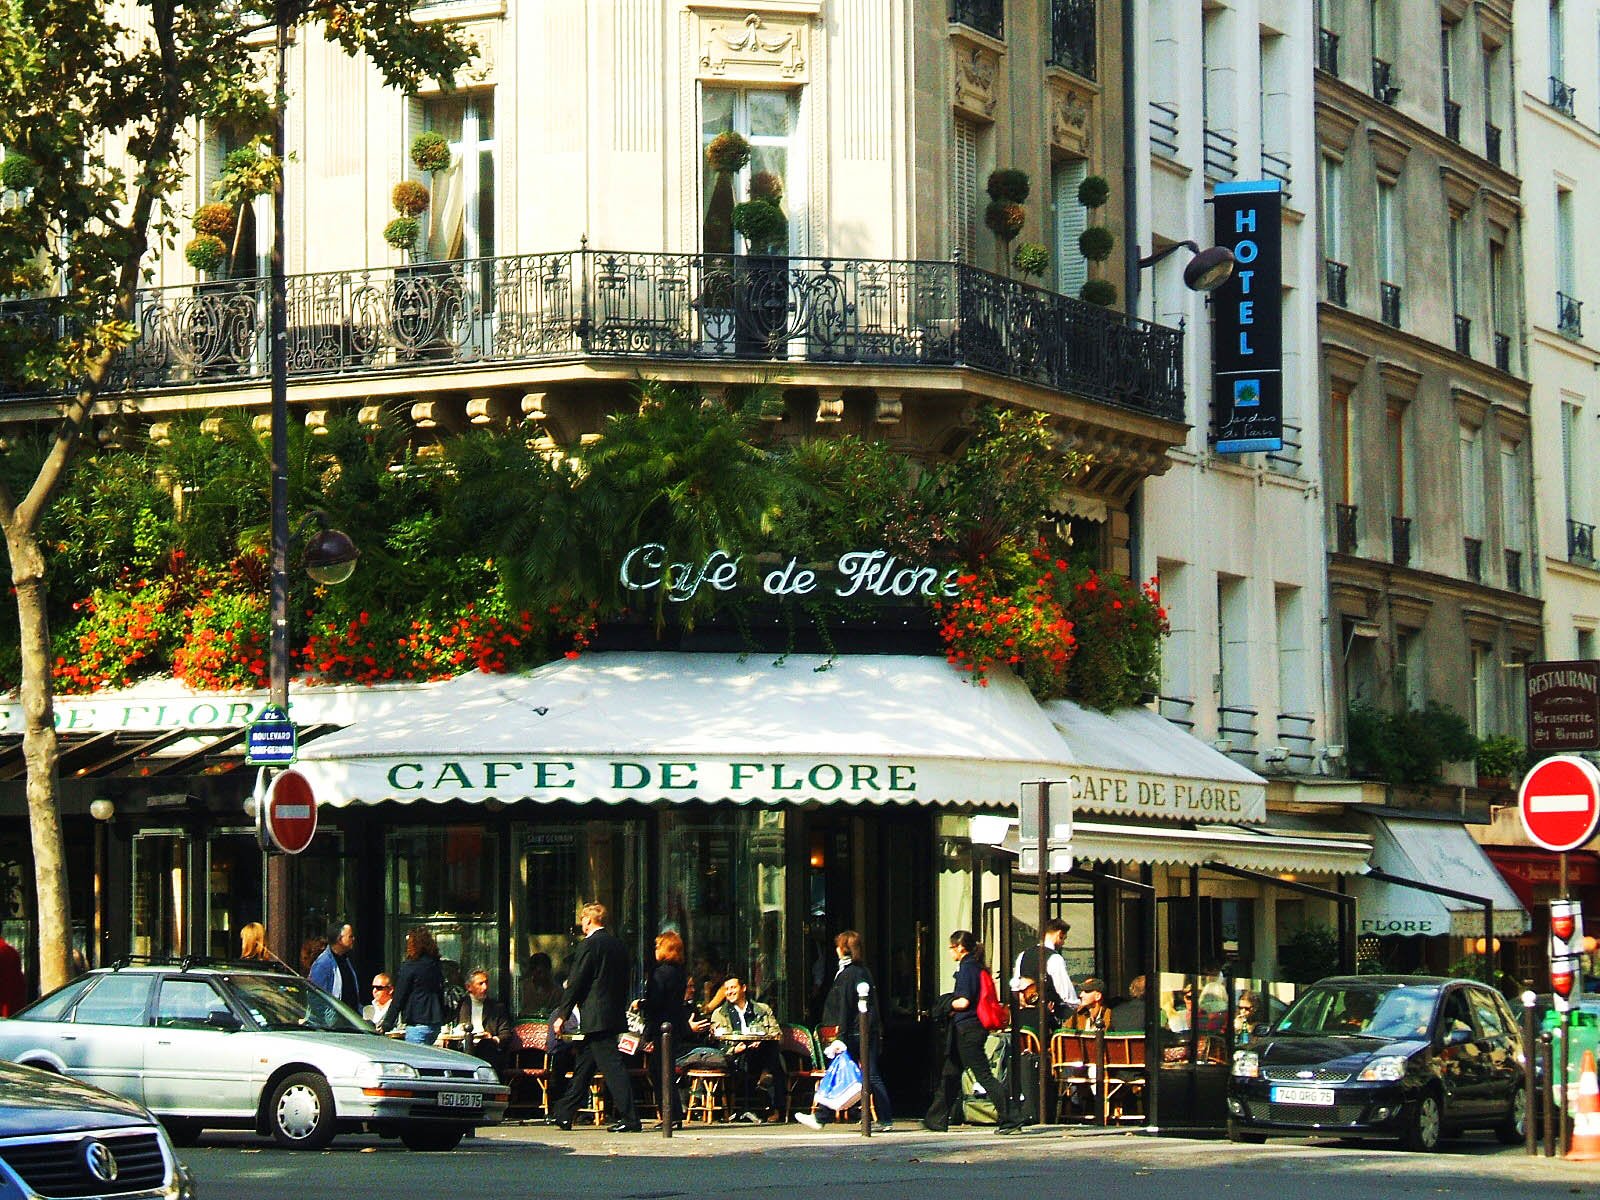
(487, 1026)
(597, 985)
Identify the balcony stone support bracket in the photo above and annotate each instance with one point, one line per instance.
(975, 69)
(532, 405)
(444, 415)
(1071, 107)
(888, 408)
(317, 421)
(492, 412)
(830, 406)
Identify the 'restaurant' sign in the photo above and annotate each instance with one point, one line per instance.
(1247, 320)
(1563, 706)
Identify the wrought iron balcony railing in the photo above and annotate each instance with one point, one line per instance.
(1502, 351)
(1328, 51)
(1276, 166)
(1452, 120)
(1569, 315)
(1491, 142)
(592, 303)
(1337, 273)
(1474, 551)
(1463, 334)
(1288, 460)
(1383, 85)
(1346, 532)
(1562, 96)
(1513, 570)
(1389, 303)
(1222, 155)
(1400, 537)
(1580, 542)
(1164, 128)
(1072, 35)
(986, 16)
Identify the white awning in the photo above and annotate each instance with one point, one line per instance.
(672, 727)
(1436, 852)
(1274, 851)
(1136, 763)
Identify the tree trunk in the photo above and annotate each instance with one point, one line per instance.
(39, 749)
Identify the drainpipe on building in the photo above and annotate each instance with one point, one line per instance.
(1130, 164)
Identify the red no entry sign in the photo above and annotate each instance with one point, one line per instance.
(1559, 802)
(291, 812)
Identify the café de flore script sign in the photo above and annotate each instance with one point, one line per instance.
(863, 573)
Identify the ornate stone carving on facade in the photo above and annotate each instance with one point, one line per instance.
(1070, 110)
(755, 47)
(977, 72)
(484, 39)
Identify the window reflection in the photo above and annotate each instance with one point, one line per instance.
(447, 880)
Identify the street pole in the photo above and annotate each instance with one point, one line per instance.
(668, 1103)
(1530, 1133)
(1043, 1070)
(863, 991)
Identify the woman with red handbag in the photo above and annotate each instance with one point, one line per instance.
(965, 1040)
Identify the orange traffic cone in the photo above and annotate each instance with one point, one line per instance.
(1586, 1121)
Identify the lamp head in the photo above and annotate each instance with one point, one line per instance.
(1209, 269)
(330, 556)
(863, 988)
(102, 809)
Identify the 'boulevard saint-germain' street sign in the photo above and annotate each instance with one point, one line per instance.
(1247, 319)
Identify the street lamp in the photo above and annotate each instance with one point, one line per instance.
(1208, 270)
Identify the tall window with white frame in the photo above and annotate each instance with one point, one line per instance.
(1331, 198)
(1569, 318)
(1472, 485)
(1447, 57)
(1482, 689)
(1514, 515)
(1558, 50)
(1235, 718)
(1400, 481)
(1580, 534)
(461, 216)
(1499, 302)
(1453, 252)
(769, 120)
(1391, 279)
(1410, 692)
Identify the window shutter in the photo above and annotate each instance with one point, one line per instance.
(1569, 420)
(213, 149)
(964, 190)
(1072, 270)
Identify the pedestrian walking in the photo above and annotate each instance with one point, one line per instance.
(840, 1014)
(965, 1044)
(333, 970)
(418, 1004)
(666, 1002)
(597, 986)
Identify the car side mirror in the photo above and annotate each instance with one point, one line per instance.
(1261, 1030)
(1458, 1037)
(225, 1021)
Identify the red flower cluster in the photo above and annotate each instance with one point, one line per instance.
(1026, 629)
(118, 639)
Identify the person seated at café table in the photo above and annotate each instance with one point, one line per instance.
(739, 1017)
(1092, 1012)
(540, 991)
(486, 1026)
(1244, 1017)
(382, 995)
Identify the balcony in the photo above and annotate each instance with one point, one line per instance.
(1384, 87)
(1389, 303)
(1491, 142)
(1336, 274)
(1502, 351)
(1452, 120)
(1276, 166)
(541, 308)
(1222, 155)
(1400, 540)
(1569, 315)
(1562, 96)
(1072, 36)
(1290, 458)
(1344, 526)
(1474, 549)
(986, 16)
(1328, 51)
(1513, 570)
(1164, 129)
(1580, 542)
(1463, 335)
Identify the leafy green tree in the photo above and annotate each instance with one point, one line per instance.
(95, 100)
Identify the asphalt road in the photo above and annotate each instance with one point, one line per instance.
(790, 1164)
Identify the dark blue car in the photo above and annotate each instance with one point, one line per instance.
(1402, 1056)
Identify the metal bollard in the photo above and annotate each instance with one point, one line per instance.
(1566, 1085)
(1530, 1092)
(667, 1100)
(863, 989)
(1101, 1089)
(1546, 1064)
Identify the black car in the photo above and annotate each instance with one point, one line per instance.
(1402, 1056)
(59, 1137)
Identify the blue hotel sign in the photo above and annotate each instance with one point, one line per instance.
(1247, 320)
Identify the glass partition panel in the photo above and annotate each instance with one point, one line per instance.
(448, 881)
(234, 889)
(160, 893)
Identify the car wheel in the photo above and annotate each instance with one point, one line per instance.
(1245, 1136)
(1423, 1124)
(1511, 1131)
(300, 1112)
(182, 1131)
(431, 1137)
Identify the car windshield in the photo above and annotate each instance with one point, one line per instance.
(286, 1002)
(1362, 1011)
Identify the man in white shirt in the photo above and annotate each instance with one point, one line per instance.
(1028, 981)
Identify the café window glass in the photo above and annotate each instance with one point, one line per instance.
(447, 880)
(160, 893)
(723, 889)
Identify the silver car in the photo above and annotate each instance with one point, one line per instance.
(60, 1138)
(229, 1047)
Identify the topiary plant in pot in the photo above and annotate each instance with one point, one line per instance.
(430, 152)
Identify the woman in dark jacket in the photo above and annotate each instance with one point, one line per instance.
(666, 1003)
(840, 1011)
(418, 990)
(965, 1042)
